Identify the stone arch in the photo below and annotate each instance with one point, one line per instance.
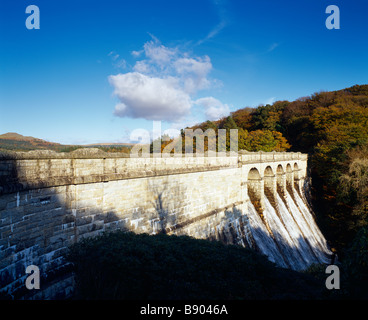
(288, 168)
(298, 179)
(280, 170)
(289, 176)
(268, 172)
(254, 174)
(296, 171)
(255, 188)
(269, 180)
(281, 180)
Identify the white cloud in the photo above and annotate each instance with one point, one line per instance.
(162, 84)
(194, 72)
(142, 67)
(161, 61)
(214, 108)
(136, 53)
(120, 64)
(158, 54)
(150, 98)
(117, 62)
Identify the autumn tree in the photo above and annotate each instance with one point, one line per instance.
(243, 118)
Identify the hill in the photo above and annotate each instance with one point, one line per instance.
(19, 137)
(17, 142)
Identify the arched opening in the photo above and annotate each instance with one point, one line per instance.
(289, 174)
(296, 171)
(279, 170)
(255, 189)
(270, 185)
(254, 174)
(280, 180)
(297, 177)
(289, 179)
(268, 172)
(268, 177)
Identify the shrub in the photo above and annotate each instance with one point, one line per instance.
(129, 266)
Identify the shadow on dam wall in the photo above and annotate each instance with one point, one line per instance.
(38, 224)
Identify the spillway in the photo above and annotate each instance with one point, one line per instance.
(286, 232)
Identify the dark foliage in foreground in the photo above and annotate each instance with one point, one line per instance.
(129, 266)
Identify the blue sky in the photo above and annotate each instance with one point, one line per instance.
(97, 70)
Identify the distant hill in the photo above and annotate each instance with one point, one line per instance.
(17, 142)
(106, 144)
(19, 137)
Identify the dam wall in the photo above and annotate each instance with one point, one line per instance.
(49, 201)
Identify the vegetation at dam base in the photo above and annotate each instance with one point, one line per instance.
(130, 266)
(124, 265)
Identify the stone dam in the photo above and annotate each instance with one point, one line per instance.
(50, 200)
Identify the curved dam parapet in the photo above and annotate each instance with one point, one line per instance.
(50, 200)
